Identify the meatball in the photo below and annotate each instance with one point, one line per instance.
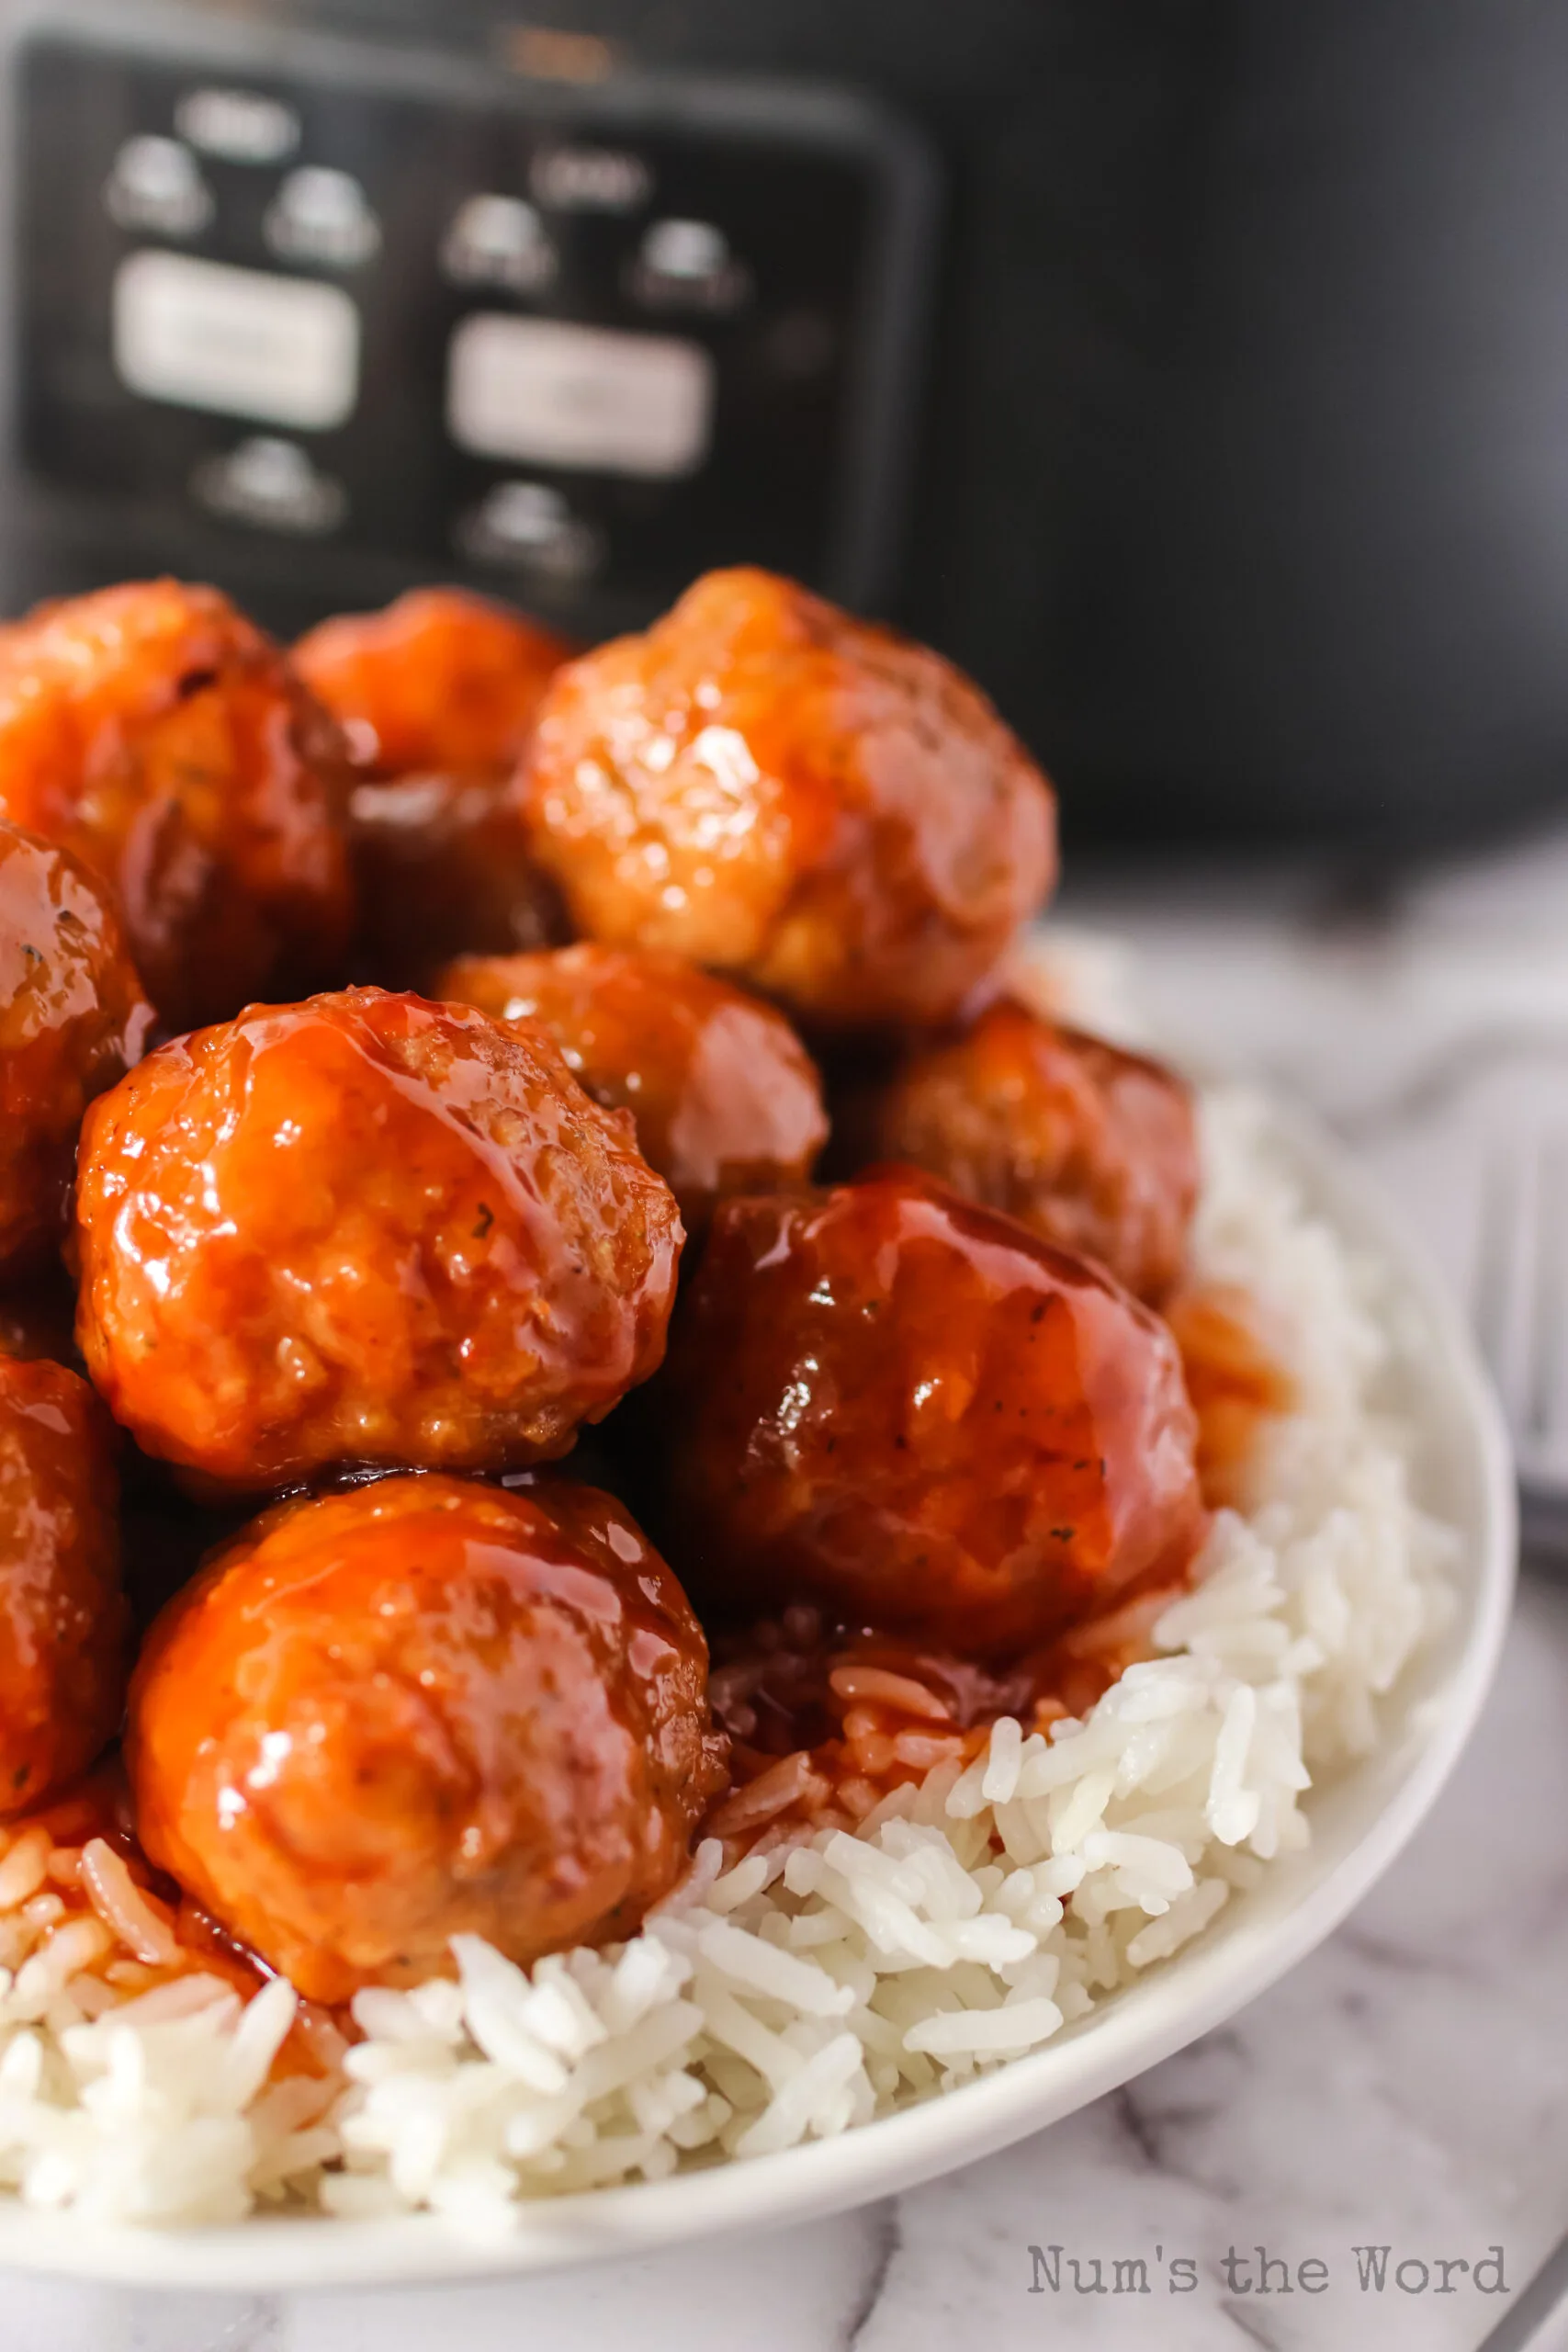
(64, 1625)
(38, 1319)
(440, 681)
(72, 1019)
(1090, 1148)
(437, 694)
(441, 863)
(152, 730)
(887, 1400)
(724, 1094)
(365, 1229)
(831, 814)
(422, 1709)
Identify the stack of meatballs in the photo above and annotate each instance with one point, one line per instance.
(416, 1047)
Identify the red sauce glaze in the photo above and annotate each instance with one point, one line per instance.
(916, 1413)
(828, 813)
(1234, 1383)
(425, 1707)
(1093, 1149)
(64, 1625)
(365, 1229)
(438, 695)
(72, 1019)
(825, 1720)
(38, 1320)
(439, 681)
(157, 735)
(725, 1095)
(442, 864)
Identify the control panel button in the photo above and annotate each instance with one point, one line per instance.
(590, 179)
(529, 525)
(157, 187)
(540, 392)
(241, 126)
(499, 241)
(241, 342)
(687, 265)
(272, 484)
(323, 216)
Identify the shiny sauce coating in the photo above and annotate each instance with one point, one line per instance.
(1091, 1148)
(364, 1230)
(64, 1625)
(832, 815)
(158, 736)
(424, 1707)
(437, 694)
(724, 1094)
(73, 1020)
(917, 1414)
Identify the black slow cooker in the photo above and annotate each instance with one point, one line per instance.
(1197, 374)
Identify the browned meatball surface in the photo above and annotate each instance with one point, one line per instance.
(72, 1019)
(152, 730)
(64, 1627)
(905, 1407)
(820, 808)
(442, 864)
(1091, 1148)
(725, 1096)
(423, 1709)
(440, 680)
(438, 695)
(365, 1229)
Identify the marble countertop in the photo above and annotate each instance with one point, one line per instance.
(1407, 2086)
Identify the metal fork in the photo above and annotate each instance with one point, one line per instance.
(1520, 1311)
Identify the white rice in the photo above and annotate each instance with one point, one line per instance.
(837, 1975)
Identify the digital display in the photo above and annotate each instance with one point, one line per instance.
(239, 342)
(540, 392)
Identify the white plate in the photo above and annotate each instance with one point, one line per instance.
(1360, 1824)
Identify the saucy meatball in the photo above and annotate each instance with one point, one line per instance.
(888, 1400)
(761, 783)
(439, 680)
(153, 732)
(437, 694)
(1091, 1148)
(63, 1621)
(422, 1709)
(724, 1094)
(441, 863)
(365, 1229)
(72, 1019)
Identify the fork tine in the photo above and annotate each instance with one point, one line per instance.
(1547, 1421)
(1495, 1283)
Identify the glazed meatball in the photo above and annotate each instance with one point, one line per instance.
(365, 1229)
(829, 813)
(1090, 1148)
(440, 680)
(73, 1020)
(724, 1094)
(442, 864)
(911, 1410)
(63, 1621)
(422, 1709)
(38, 1319)
(437, 694)
(153, 732)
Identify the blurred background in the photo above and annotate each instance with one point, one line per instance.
(1195, 371)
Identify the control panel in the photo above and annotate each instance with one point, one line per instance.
(332, 316)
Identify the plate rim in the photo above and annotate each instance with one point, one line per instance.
(1194, 1993)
